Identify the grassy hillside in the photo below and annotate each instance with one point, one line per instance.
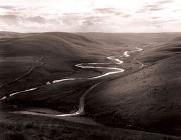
(132, 39)
(36, 58)
(32, 59)
(23, 127)
(144, 99)
(148, 99)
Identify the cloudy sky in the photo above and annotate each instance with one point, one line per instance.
(90, 15)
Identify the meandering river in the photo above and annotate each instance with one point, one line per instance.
(111, 71)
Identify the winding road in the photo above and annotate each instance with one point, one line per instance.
(112, 71)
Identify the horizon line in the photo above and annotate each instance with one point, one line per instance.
(91, 32)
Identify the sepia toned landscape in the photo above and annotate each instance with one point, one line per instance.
(90, 70)
(90, 85)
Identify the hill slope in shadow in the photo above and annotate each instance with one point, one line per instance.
(148, 99)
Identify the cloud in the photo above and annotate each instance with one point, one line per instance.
(155, 17)
(15, 19)
(88, 23)
(150, 7)
(113, 11)
(89, 15)
(126, 15)
(6, 7)
(93, 23)
(70, 18)
(9, 19)
(36, 19)
(94, 18)
(156, 6)
(165, 1)
(106, 10)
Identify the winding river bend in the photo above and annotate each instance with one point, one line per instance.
(112, 71)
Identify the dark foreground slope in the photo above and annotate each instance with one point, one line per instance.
(23, 127)
(148, 99)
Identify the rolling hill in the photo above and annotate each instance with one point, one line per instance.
(145, 98)
(41, 57)
(148, 99)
